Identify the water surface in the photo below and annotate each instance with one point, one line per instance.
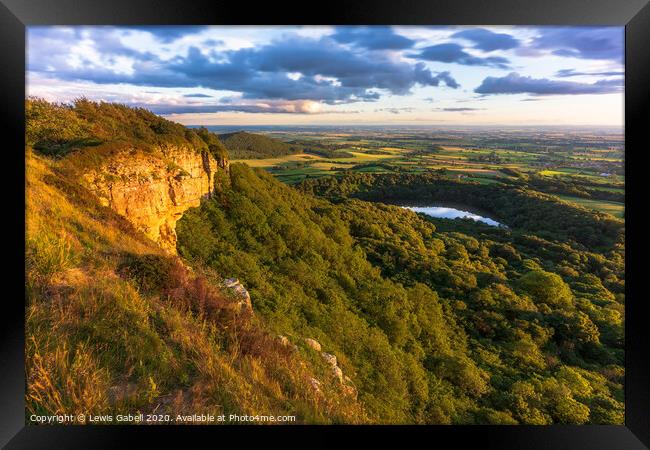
(447, 212)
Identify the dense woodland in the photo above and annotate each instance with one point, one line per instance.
(512, 204)
(462, 324)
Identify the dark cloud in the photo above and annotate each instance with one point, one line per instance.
(197, 95)
(406, 109)
(458, 109)
(487, 40)
(168, 33)
(582, 42)
(514, 83)
(564, 73)
(447, 79)
(454, 53)
(372, 38)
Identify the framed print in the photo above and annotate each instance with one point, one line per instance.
(374, 219)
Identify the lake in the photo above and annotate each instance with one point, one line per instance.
(447, 212)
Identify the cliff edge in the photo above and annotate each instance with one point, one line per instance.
(153, 189)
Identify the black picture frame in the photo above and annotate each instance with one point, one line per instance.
(15, 15)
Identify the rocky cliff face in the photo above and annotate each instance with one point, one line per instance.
(153, 188)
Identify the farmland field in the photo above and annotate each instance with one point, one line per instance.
(584, 158)
(613, 208)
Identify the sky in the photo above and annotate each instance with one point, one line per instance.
(347, 75)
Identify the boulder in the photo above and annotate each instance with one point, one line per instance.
(338, 373)
(313, 344)
(244, 304)
(336, 370)
(331, 359)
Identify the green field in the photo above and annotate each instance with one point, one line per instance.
(614, 208)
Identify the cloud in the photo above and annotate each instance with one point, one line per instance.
(514, 83)
(564, 73)
(406, 109)
(454, 53)
(583, 42)
(168, 33)
(458, 109)
(197, 95)
(446, 78)
(487, 40)
(278, 107)
(372, 38)
(292, 67)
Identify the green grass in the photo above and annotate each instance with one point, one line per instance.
(614, 208)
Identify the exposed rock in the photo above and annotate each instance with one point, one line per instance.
(153, 189)
(244, 299)
(313, 344)
(331, 359)
(336, 370)
(285, 342)
(315, 384)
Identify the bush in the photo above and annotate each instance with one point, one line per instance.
(150, 272)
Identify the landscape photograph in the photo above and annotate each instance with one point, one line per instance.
(322, 225)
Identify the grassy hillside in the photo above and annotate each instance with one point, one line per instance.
(56, 130)
(115, 325)
(243, 145)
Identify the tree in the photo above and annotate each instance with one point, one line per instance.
(546, 287)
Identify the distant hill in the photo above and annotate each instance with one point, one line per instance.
(243, 145)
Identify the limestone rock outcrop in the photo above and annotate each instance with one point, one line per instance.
(153, 188)
(243, 300)
(336, 370)
(344, 381)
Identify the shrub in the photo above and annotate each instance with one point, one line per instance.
(150, 272)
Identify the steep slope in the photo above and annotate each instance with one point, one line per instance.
(152, 189)
(243, 145)
(144, 167)
(116, 325)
